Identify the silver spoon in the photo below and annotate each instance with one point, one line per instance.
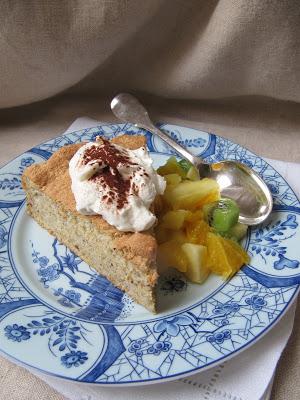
(236, 180)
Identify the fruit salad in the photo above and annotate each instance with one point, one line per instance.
(198, 231)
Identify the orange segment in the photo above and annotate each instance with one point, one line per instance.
(225, 257)
(197, 232)
(194, 216)
(235, 253)
(217, 259)
(210, 198)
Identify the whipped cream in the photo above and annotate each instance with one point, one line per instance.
(117, 183)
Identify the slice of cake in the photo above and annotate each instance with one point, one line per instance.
(127, 259)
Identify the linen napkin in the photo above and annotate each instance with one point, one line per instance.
(247, 376)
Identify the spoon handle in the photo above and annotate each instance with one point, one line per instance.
(128, 109)
(171, 142)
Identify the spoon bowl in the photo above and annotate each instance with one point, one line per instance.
(236, 180)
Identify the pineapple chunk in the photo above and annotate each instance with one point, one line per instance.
(193, 174)
(171, 167)
(164, 234)
(197, 256)
(175, 219)
(171, 255)
(172, 179)
(210, 198)
(188, 194)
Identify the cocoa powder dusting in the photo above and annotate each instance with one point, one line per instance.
(110, 176)
(106, 153)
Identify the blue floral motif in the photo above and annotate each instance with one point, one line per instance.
(3, 236)
(10, 184)
(159, 346)
(267, 241)
(49, 273)
(290, 221)
(190, 142)
(219, 337)
(141, 346)
(71, 261)
(64, 335)
(69, 297)
(227, 308)
(284, 262)
(172, 325)
(16, 333)
(73, 296)
(136, 347)
(274, 187)
(43, 261)
(256, 302)
(26, 162)
(74, 359)
(197, 142)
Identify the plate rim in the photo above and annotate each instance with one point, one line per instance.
(170, 378)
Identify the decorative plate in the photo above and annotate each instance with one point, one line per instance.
(59, 316)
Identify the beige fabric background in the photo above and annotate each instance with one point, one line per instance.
(227, 66)
(191, 49)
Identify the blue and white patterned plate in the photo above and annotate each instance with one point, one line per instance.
(59, 316)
